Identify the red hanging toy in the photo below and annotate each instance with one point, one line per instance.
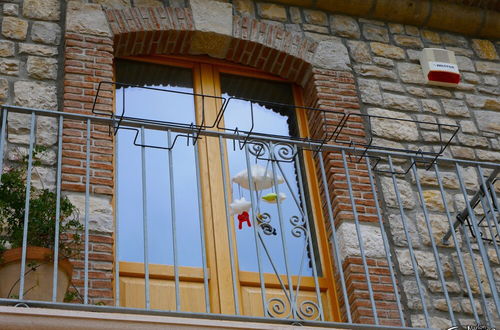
(244, 217)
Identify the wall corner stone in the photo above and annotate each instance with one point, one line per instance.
(213, 21)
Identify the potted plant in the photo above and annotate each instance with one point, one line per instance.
(41, 235)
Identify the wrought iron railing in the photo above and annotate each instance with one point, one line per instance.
(390, 249)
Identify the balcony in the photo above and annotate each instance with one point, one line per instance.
(258, 230)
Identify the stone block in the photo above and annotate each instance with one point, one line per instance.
(439, 92)
(465, 64)
(7, 48)
(417, 91)
(315, 17)
(34, 49)
(214, 27)
(386, 50)
(359, 51)
(489, 156)
(344, 26)
(452, 287)
(396, 28)
(490, 80)
(41, 67)
(410, 73)
(37, 95)
(382, 61)
(11, 9)
(418, 321)
(405, 190)
(9, 67)
(412, 30)
(454, 40)
(4, 89)
(425, 261)
(469, 269)
(392, 128)
(455, 108)
(295, 13)
(471, 77)
(370, 92)
(391, 86)
(431, 36)
(375, 33)
(374, 71)
(246, 7)
(414, 55)
(400, 102)
(434, 201)
(489, 103)
(431, 106)
(468, 126)
(48, 10)
(272, 11)
(315, 28)
(398, 233)
(488, 67)
(462, 152)
(45, 32)
(87, 18)
(115, 4)
(488, 121)
(349, 243)
(473, 140)
(148, 3)
(484, 49)
(442, 305)
(14, 28)
(101, 211)
(407, 41)
(332, 55)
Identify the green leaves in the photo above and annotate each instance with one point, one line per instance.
(42, 211)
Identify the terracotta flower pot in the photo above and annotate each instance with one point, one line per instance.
(38, 274)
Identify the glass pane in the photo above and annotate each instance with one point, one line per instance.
(270, 116)
(166, 102)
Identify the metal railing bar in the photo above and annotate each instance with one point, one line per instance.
(385, 241)
(58, 208)
(474, 200)
(117, 225)
(27, 205)
(360, 238)
(174, 222)
(491, 208)
(87, 215)
(480, 244)
(229, 227)
(145, 220)
(308, 225)
(336, 248)
(472, 256)
(455, 241)
(203, 316)
(409, 242)
(2, 138)
(490, 228)
(253, 203)
(305, 144)
(202, 229)
(293, 305)
(433, 243)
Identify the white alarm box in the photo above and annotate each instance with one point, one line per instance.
(440, 67)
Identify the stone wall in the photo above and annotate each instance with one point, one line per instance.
(31, 51)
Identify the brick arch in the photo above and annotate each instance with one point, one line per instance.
(149, 31)
(152, 31)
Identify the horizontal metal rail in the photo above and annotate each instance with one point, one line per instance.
(138, 123)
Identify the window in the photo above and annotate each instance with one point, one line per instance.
(192, 208)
